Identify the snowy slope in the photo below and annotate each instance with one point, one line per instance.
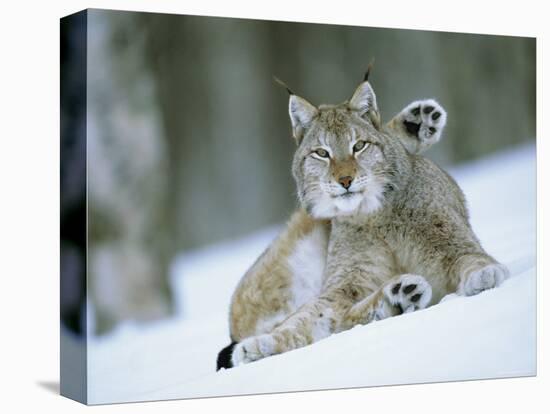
(487, 336)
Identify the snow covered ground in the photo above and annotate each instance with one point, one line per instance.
(492, 335)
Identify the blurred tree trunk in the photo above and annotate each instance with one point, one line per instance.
(129, 248)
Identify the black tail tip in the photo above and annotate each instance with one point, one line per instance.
(224, 357)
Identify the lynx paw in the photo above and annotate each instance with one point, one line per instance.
(253, 348)
(424, 120)
(487, 277)
(409, 293)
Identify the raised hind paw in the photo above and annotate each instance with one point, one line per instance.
(408, 293)
(422, 122)
(488, 277)
(253, 348)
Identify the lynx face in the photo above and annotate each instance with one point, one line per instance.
(339, 166)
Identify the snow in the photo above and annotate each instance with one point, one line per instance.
(491, 335)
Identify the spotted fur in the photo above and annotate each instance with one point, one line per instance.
(387, 229)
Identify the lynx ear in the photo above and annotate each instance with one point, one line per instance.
(301, 114)
(364, 102)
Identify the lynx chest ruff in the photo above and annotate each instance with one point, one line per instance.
(307, 264)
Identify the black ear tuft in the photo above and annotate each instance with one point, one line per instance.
(284, 85)
(369, 70)
(224, 357)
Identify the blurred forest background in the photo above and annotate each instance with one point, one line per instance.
(189, 139)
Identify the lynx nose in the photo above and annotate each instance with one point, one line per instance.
(345, 181)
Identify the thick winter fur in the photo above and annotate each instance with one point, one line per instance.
(382, 231)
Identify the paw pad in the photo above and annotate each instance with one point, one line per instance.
(409, 289)
(396, 288)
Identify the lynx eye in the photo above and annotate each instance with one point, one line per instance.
(359, 145)
(322, 153)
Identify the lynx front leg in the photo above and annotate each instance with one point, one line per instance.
(419, 125)
(314, 321)
(334, 312)
(402, 294)
(354, 271)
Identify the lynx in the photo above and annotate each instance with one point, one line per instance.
(381, 231)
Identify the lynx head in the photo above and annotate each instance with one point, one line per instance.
(341, 165)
